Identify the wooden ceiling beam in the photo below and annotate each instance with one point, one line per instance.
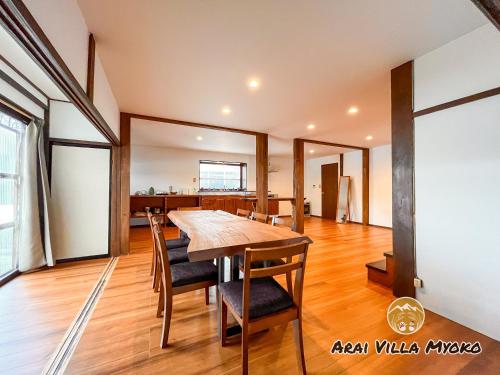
(491, 9)
(332, 144)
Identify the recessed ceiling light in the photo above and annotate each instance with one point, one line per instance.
(311, 126)
(311, 151)
(353, 110)
(199, 138)
(369, 137)
(226, 110)
(253, 84)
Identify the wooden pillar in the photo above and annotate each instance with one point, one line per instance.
(402, 179)
(341, 164)
(91, 68)
(366, 186)
(298, 186)
(124, 182)
(262, 162)
(115, 230)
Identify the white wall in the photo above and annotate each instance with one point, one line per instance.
(161, 167)
(457, 176)
(312, 180)
(80, 215)
(381, 186)
(353, 167)
(281, 182)
(104, 99)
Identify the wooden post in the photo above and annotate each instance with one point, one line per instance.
(91, 68)
(403, 155)
(298, 186)
(124, 182)
(341, 164)
(262, 162)
(366, 186)
(115, 230)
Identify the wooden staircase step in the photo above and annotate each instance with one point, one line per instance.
(382, 271)
(379, 265)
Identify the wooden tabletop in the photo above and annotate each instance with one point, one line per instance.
(215, 234)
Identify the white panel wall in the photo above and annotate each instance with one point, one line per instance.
(104, 99)
(457, 175)
(67, 122)
(312, 180)
(80, 201)
(460, 68)
(161, 167)
(281, 182)
(381, 186)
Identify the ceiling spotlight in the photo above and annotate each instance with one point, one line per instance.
(226, 110)
(253, 84)
(311, 151)
(369, 137)
(353, 110)
(199, 138)
(311, 126)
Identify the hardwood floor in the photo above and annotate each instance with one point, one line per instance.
(339, 303)
(36, 309)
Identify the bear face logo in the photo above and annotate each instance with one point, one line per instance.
(405, 315)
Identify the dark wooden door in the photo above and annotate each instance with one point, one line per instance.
(329, 190)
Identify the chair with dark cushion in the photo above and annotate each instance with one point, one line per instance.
(257, 216)
(258, 302)
(177, 279)
(178, 255)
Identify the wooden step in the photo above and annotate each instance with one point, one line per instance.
(382, 271)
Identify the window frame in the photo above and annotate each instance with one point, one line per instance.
(17, 178)
(243, 176)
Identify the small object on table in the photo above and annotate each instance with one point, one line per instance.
(151, 191)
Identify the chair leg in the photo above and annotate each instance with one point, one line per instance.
(157, 279)
(223, 324)
(153, 263)
(207, 296)
(244, 349)
(299, 343)
(167, 316)
(161, 299)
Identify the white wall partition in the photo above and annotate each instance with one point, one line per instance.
(457, 175)
(80, 215)
(353, 167)
(381, 186)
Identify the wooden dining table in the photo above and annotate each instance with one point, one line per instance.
(219, 234)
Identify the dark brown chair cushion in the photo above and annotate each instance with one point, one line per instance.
(266, 296)
(177, 242)
(178, 255)
(261, 263)
(193, 272)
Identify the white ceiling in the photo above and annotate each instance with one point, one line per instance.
(187, 59)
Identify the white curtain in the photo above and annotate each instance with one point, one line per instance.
(31, 249)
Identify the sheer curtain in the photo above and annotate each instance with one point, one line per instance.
(33, 251)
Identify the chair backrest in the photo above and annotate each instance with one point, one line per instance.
(189, 208)
(242, 213)
(166, 277)
(263, 218)
(281, 221)
(150, 220)
(288, 252)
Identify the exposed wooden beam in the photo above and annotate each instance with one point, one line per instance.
(124, 182)
(262, 162)
(341, 164)
(491, 9)
(192, 124)
(298, 186)
(457, 102)
(402, 179)
(21, 25)
(91, 68)
(332, 144)
(366, 186)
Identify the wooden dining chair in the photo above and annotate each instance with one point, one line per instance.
(243, 213)
(281, 221)
(257, 216)
(177, 252)
(177, 279)
(259, 302)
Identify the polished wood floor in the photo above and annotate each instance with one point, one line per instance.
(339, 303)
(36, 309)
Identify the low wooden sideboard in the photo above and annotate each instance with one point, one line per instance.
(166, 203)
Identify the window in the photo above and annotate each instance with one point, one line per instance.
(223, 176)
(11, 137)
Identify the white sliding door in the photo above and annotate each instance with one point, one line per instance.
(80, 185)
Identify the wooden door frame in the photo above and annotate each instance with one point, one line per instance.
(123, 187)
(323, 195)
(298, 179)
